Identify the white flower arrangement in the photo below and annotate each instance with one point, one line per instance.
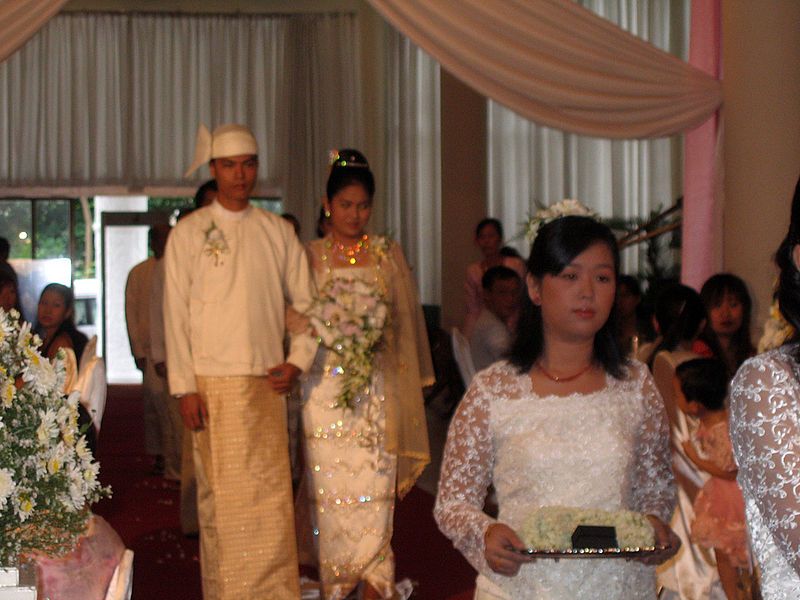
(551, 527)
(349, 317)
(568, 207)
(47, 474)
(216, 245)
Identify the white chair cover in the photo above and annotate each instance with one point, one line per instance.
(92, 387)
(463, 356)
(121, 585)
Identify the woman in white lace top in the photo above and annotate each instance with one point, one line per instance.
(765, 431)
(566, 421)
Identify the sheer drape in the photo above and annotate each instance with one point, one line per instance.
(556, 63)
(115, 100)
(323, 83)
(532, 165)
(414, 167)
(20, 19)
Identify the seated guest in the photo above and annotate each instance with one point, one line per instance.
(9, 296)
(489, 238)
(491, 337)
(628, 300)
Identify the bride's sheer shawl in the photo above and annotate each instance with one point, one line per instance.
(406, 362)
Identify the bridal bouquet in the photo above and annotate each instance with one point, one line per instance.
(47, 473)
(349, 316)
(543, 216)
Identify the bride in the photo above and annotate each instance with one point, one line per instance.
(564, 422)
(364, 420)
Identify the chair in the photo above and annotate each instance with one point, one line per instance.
(463, 356)
(121, 585)
(93, 387)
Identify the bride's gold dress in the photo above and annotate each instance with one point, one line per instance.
(359, 460)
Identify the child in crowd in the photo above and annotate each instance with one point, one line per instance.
(701, 386)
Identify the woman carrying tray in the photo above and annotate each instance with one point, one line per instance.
(566, 421)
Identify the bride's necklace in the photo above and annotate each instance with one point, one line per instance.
(565, 379)
(348, 253)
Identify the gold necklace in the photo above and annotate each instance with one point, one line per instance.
(349, 252)
(558, 379)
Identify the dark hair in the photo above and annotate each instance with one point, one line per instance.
(7, 278)
(350, 167)
(499, 273)
(713, 293)
(295, 222)
(510, 251)
(679, 314)
(5, 248)
(630, 282)
(789, 279)
(498, 226)
(67, 326)
(199, 195)
(321, 218)
(556, 246)
(704, 380)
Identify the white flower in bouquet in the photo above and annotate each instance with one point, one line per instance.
(349, 317)
(47, 475)
(565, 208)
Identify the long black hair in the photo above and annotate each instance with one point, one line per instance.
(556, 246)
(713, 293)
(67, 326)
(789, 278)
(679, 314)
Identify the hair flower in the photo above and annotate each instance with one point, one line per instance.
(565, 208)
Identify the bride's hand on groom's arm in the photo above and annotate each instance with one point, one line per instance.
(665, 538)
(500, 548)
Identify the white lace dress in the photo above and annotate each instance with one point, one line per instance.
(765, 431)
(608, 449)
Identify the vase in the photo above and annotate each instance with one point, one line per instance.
(16, 586)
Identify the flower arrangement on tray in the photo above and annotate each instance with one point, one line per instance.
(551, 527)
(48, 476)
(349, 317)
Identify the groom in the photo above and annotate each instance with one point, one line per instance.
(231, 270)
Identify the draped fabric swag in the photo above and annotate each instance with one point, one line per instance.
(20, 19)
(531, 165)
(556, 63)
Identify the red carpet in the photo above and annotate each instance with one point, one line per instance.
(144, 511)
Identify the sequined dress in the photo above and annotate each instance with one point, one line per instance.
(765, 431)
(608, 449)
(356, 469)
(352, 478)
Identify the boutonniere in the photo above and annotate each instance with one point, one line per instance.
(216, 244)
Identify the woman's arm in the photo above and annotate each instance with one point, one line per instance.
(765, 432)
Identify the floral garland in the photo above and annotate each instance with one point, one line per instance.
(349, 316)
(543, 216)
(47, 473)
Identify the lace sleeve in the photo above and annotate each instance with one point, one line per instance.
(653, 483)
(466, 475)
(765, 431)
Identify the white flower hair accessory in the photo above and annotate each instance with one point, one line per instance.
(565, 208)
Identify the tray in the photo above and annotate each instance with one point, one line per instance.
(593, 552)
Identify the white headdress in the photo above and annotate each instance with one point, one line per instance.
(227, 140)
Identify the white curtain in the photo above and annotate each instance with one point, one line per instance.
(20, 19)
(532, 165)
(114, 100)
(414, 161)
(555, 62)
